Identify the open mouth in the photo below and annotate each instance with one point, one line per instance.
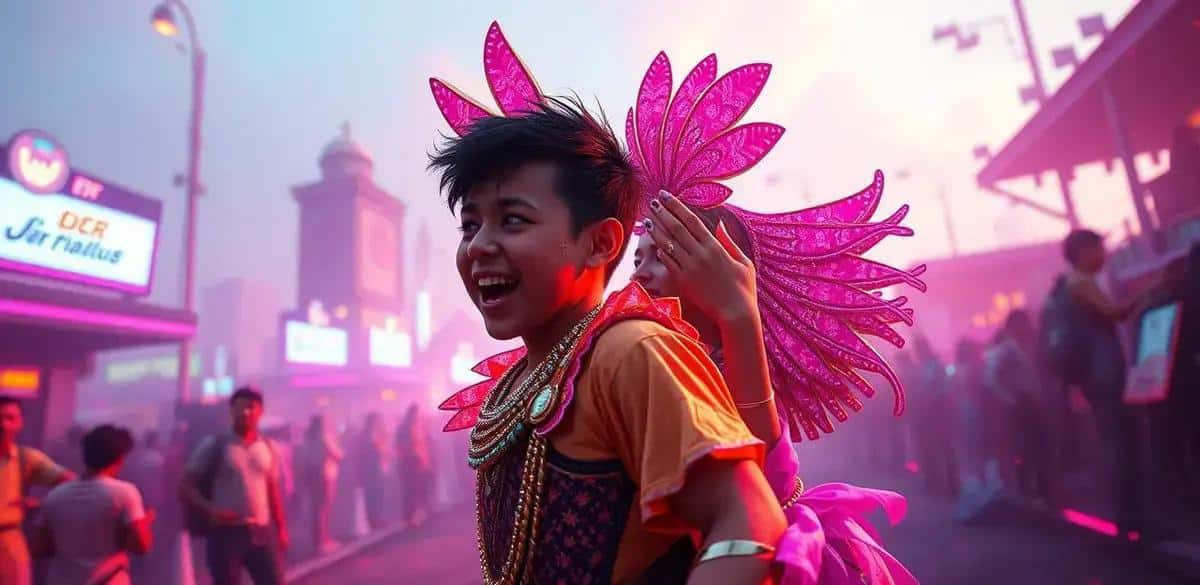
(493, 290)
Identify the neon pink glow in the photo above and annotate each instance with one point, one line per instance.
(87, 317)
(80, 278)
(913, 467)
(320, 380)
(1134, 535)
(1098, 525)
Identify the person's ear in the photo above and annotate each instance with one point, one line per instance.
(606, 238)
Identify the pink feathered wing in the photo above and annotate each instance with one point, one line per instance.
(509, 80)
(817, 294)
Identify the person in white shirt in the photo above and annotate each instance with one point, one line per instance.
(88, 526)
(242, 500)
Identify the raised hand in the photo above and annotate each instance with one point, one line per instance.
(712, 273)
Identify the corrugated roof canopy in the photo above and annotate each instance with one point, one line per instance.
(1152, 60)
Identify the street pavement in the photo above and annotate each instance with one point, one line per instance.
(1007, 549)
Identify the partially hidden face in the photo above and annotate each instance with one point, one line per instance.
(649, 271)
(518, 259)
(11, 420)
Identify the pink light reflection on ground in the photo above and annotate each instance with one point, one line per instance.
(1093, 523)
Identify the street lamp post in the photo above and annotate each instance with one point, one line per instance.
(947, 215)
(164, 22)
(1034, 92)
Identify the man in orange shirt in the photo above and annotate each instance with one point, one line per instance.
(19, 468)
(610, 437)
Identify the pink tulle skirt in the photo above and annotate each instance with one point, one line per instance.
(829, 540)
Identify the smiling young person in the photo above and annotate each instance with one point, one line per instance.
(610, 434)
(624, 408)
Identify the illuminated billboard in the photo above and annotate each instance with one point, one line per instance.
(390, 348)
(63, 224)
(305, 343)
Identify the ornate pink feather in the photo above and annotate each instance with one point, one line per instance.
(458, 110)
(652, 99)
(693, 86)
(721, 106)
(509, 80)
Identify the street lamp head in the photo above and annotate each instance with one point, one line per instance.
(1065, 57)
(164, 21)
(1030, 94)
(967, 42)
(1093, 26)
(945, 32)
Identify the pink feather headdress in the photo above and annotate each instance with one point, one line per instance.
(817, 294)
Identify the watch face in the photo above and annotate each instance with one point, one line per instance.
(378, 245)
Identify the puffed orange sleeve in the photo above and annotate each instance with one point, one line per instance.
(661, 405)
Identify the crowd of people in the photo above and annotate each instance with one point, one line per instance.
(1036, 413)
(115, 507)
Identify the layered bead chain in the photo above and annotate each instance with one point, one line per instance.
(508, 414)
(507, 410)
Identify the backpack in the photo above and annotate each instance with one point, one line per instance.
(1062, 346)
(196, 521)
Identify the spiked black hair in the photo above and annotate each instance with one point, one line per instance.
(595, 178)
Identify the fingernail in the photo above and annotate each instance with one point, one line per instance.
(655, 205)
(665, 195)
(649, 225)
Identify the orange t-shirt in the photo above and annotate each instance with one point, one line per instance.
(652, 399)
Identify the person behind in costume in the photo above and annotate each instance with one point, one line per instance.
(611, 434)
(782, 299)
(714, 277)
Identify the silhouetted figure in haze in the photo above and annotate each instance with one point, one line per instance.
(934, 420)
(319, 460)
(415, 467)
(374, 463)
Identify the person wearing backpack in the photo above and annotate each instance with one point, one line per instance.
(20, 467)
(231, 495)
(1099, 367)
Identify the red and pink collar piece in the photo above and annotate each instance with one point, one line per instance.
(631, 302)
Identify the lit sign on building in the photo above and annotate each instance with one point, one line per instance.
(305, 343)
(390, 348)
(461, 363)
(135, 370)
(424, 319)
(220, 384)
(20, 381)
(66, 225)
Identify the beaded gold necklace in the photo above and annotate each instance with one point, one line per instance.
(507, 414)
(508, 411)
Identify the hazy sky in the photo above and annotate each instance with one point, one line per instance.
(858, 83)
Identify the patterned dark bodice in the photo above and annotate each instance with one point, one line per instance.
(585, 506)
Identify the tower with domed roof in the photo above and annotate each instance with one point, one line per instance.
(350, 240)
